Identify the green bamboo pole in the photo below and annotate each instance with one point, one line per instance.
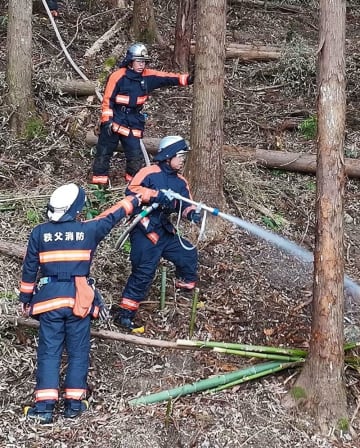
(254, 348)
(163, 288)
(351, 345)
(257, 355)
(202, 385)
(255, 376)
(193, 312)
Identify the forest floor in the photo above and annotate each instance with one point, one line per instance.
(251, 292)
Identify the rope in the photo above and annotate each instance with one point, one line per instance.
(81, 74)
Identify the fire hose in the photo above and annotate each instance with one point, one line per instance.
(288, 246)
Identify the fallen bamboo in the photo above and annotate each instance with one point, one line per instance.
(283, 160)
(106, 334)
(247, 354)
(256, 376)
(206, 384)
(293, 352)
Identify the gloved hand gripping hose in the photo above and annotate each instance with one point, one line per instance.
(125, 235)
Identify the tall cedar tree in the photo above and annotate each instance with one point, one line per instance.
(204, 167)
(19, 64)
(321, 382)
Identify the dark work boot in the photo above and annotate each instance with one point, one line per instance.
(124, 320)
(41, 412)
(74, 408)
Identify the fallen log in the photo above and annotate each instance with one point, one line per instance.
(248, 53)
(12, 249)
(97, 45)
(75, 87)
(283, 160)
(111, 335)
(269, 5)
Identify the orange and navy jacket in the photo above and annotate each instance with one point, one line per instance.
(147, 182)
(61, 251)
(126, 88)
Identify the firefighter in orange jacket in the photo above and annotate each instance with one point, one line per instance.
(60, 252)
(155, 236)
(126, 92)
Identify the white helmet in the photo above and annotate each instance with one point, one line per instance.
(169, 147)
(66, 203)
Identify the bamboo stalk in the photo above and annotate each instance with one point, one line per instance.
(193, 312)
(255, 376)
(351, 345)
(202, 385)
(163, 288)
(249, 354)
(254, 348)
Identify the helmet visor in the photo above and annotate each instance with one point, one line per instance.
(181, 154)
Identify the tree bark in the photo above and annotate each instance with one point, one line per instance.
(143, 23)
(284, 160)
(322, 378)
(183, 34)
(204, 167)
(19, 64)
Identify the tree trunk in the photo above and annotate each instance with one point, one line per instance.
(143, 22)
(204, 166)
(283, 160)
(183, 34)
(322, 377)
(19, 64)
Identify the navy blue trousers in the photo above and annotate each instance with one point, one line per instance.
(145, 257)
(59, 330)
(106, 146)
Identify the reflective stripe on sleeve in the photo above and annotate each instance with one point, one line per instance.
(27, 288)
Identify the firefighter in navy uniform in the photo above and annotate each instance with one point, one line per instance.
(60, 252)
(126, 92)
(155, 236)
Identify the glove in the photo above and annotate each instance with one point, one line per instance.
(194, 217)
(104, 313)
(24, 309)
(108, 128)
(163, 199)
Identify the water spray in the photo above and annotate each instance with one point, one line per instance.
(288, 246)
